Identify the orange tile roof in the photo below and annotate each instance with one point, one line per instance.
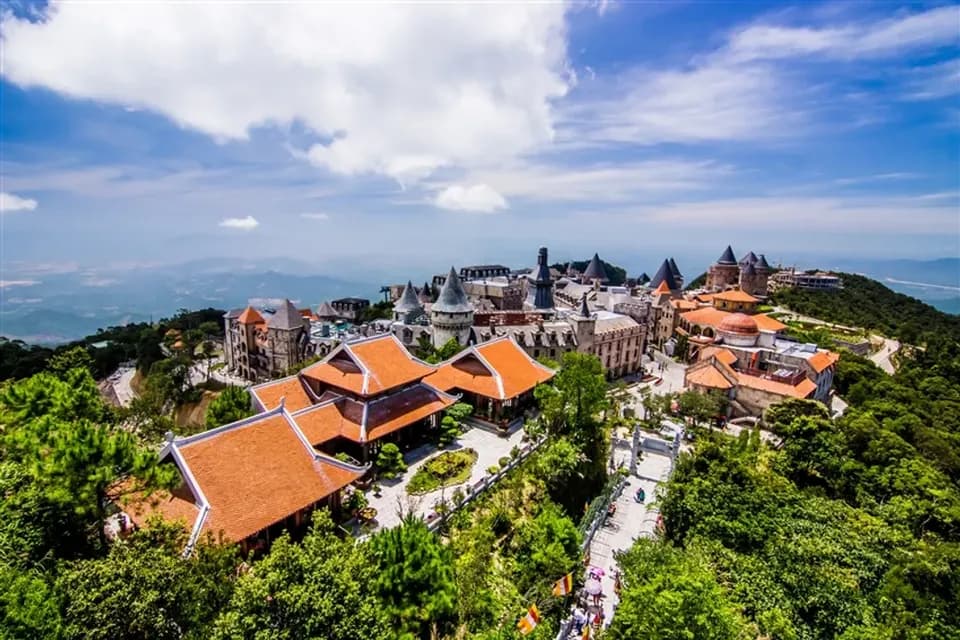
(403, 409)
(344, 417)
(766, 323)
(369, 366)
(291, 389)
(684, 304)
(704, 297)
(823, 359)
(498, 369)
(178, 506)
(706, 316)
(708, 376)
(725, 356)
(802, 390)
(662, 288)
(257, 474)
(735, 295)
(250, 316)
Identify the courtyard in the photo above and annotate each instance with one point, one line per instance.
(394, 499)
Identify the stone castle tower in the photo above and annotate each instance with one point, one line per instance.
(543, 283)
(408, 308)
(585, 326)
(754, 273)
(451, 316)
(286, 336)
(724, 273)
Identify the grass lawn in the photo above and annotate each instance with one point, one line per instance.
(448, 468)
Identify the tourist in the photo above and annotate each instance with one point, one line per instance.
(579, 619)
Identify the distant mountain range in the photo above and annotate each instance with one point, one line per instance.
(47, 308)
(50, 308)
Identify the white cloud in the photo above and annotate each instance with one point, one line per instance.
(6, 284)
(246, 224)
(866, 39)
(315, 216)
(878, 177)
(480, 198)
(609, 182)
(390, 88)
(10, 203)
(934, 81)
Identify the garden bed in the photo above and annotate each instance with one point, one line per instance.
(445, 470)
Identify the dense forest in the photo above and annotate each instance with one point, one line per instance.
(137, 342)
(867, 303)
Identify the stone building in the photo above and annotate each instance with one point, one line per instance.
(350, 308)
(257, 347)
(750, 274)
(540, 284)
(451, 316)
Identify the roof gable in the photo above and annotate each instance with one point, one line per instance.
(369, 366)
(250, 316)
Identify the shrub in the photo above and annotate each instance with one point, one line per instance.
(504, 461)
(390, 461)
(447, 469)
(515, 452)
(492, 469)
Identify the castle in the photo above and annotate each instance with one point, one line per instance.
(750, 274)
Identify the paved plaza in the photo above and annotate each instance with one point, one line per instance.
(489, 446)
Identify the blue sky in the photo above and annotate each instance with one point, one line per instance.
(410, 136)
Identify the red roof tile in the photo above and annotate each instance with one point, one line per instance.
(369, 367)
(498, 369)
(291, 389)
(250, 316)
(823, 359)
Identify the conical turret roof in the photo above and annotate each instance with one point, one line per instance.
(750, 258)
(286, 317)
(664, 274)
(763, 264)
(326, 310)
(748, 269)
(452, 298)
(594, 270)
(644, 278)
(426, 293)
(674, 269)
(408, 299)
(727, 257)
(584, 308)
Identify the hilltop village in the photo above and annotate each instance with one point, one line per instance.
(719, 329)
(332, 395)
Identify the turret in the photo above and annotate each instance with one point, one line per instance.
(452, 314)
(543, 283)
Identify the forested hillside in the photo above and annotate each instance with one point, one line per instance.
(867, 303)
(849, 530)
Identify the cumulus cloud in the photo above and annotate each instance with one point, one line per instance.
(479, 198)
(245, 224)
(384, 88)
(10, 203)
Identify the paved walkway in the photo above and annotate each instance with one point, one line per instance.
(631, 521)
(490, 447)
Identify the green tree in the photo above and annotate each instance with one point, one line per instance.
(672, 595)
(145, 588)
(415, 579)
(390, 461)
(699, 407)
(232, 404)
(319, 588)
(62, 362)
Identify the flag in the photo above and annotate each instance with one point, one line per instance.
(528, 623)
(586, 632)
(563, 586)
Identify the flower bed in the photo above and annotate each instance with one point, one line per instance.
(447, 469)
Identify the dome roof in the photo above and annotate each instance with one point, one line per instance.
(739, 323)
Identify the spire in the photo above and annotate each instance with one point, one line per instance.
(750, 258)
(664, 274)
(584, 309)
(452, 298)
(326, 310)
(762, 264)
(408, 299)
(644, 278)
(673, 269)
(594, 270)
(286, 317)
(426, 293)
(543, 284)
(727, 257)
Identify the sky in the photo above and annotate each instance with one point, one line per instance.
(410, 135)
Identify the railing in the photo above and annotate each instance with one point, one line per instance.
(474, 491)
